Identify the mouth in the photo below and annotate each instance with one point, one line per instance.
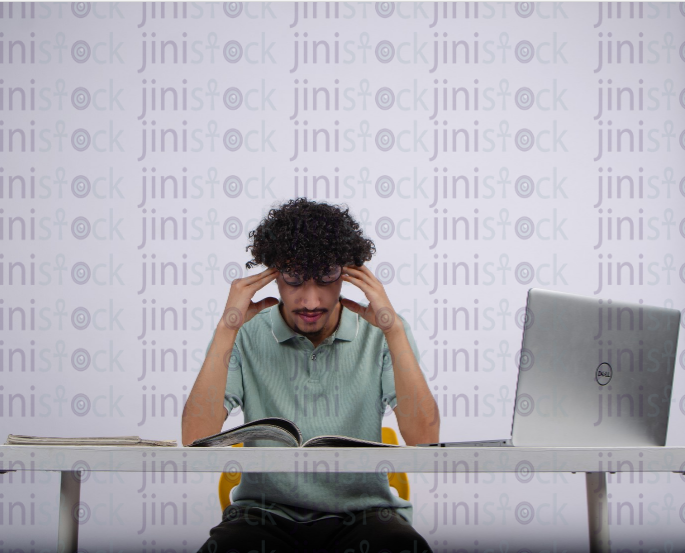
(310, 317)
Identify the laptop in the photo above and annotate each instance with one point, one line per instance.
(592, 373)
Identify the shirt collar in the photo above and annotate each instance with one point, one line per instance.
(347, 329)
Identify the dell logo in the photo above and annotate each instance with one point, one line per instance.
(603, 374)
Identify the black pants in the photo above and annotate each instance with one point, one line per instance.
(370, 531)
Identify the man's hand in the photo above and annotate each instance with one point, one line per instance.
(239, 306)
(379, 312)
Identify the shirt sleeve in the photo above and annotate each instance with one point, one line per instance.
(233, 393)
(389, 396)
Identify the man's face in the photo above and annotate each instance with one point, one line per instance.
(319, 300)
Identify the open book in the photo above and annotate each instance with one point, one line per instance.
(280, 430)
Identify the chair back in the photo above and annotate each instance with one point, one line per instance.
(397, 480)
(227, 481)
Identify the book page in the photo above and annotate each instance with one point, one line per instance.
(344, 441)
(270, 428)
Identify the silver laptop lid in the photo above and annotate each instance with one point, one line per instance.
(594, 372)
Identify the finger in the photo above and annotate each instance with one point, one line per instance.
(351, 305)
(357, 282)
(263, 280)
(266, 273)
(256, 307)
(355, 273)
(355, 307)
(369, 273)
(361, 270)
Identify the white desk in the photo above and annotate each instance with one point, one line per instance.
(594, 462)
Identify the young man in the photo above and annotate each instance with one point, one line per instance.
(325, 362)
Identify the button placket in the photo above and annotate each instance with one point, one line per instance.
(313, 370)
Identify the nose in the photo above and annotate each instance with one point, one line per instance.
(309, 297)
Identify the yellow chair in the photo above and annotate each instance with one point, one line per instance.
(397, 480)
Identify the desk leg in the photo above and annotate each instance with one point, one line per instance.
(69, 498)
(597, 513)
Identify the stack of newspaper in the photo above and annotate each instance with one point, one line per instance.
(16, 439)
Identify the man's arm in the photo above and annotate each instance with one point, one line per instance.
(417, 412)
(204, 412)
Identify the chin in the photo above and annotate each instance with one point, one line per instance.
(312, 331)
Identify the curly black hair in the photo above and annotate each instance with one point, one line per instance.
(306, 237)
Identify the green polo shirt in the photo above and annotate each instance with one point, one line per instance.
(342, 387)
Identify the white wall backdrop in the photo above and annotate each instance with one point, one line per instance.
(486, 148)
